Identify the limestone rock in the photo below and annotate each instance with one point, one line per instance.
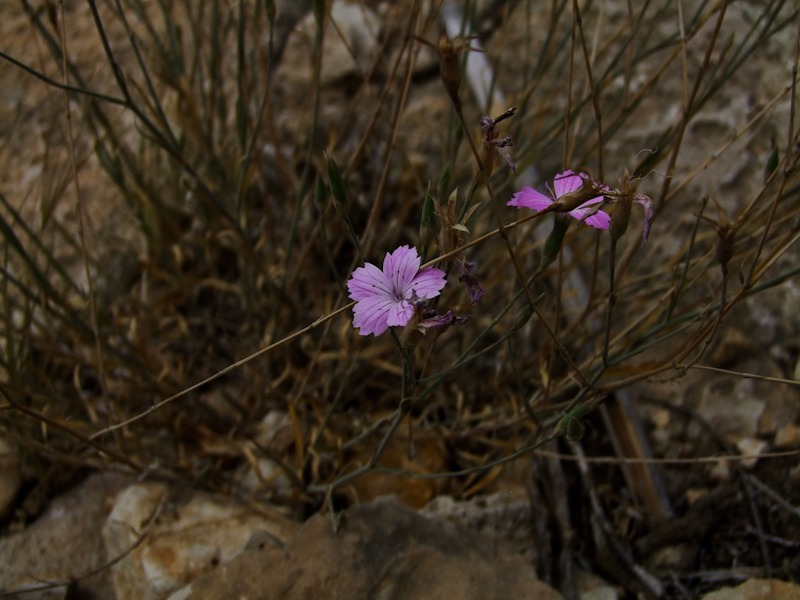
(385, 550)
(64, 542)
(191, 536)
(590, 587)
(359, 26)
(501, 515)
(757, 589)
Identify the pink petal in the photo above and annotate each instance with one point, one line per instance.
(399, 313)
(507, 157)
(530, 198)
(369, 281)
(566, 182)
(400, 267)
(428, 283)
(592, 202)
(649, 211)
(371, 317)
(600, 219)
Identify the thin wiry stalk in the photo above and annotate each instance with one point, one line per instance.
(101, 367)
(689, 251)
(788, 161)
(595, 100)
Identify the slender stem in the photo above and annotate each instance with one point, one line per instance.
(305, 178)
(247, 159)
(595, 100)
(678, 289)
(688, 108)
(569, 94)
(63, 86)
(788, 161)
(612, 299)
(82, 235)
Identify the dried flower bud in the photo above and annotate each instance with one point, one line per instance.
(491, 143)
(626, 195)
(649, 212)
(450, 66)
(726, 236)
(341, 199)
(620, 217)
(474, 287)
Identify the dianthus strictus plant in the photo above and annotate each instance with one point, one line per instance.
(267, 248)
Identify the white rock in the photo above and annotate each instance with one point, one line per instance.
(751, 446)
(757, 589)
(189, 538)
(359, 26)
(590, 587)
(63, 542)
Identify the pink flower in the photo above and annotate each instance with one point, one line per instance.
(564, 183)
(384, 298)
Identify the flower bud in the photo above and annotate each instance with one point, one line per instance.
(552, 245)
(522, 318)
(319, 12)
(320, 194)
(270, 7)
(428, 225)
(444, 179)
(772, 164)
(574, 429)
(572, 423)
(341, 199)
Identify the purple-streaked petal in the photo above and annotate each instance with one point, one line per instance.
(400, 267)
(566, 182)
(400, 313)
(369, 281)
(428, 283)
(374, 304)
(648, 215)
(371, 317)
(530, 198)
